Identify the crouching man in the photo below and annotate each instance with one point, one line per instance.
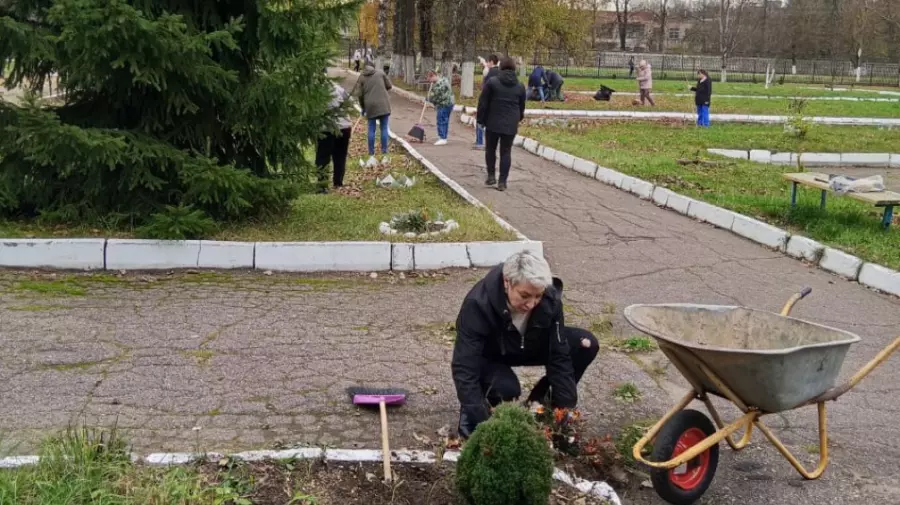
(514, 317)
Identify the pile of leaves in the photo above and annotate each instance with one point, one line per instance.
(176, 112)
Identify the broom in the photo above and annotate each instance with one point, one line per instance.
(418, 131)
(369, 397)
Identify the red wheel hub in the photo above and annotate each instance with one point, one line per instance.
(691, 474)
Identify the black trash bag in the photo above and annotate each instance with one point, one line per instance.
(604, 93)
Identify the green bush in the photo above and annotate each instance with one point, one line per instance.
(177, 223)
(506, 461)
(167, 103)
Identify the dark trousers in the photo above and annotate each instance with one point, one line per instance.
(500, 384)
(645, 95)
(490, 154)
(332, 149)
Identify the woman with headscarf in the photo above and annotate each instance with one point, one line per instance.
(645, 81)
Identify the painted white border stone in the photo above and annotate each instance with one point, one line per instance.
(323, 256)
(866, 159)
(221, 254)
(759, 232)
(679, 203)
(760, 155)
(661, 195)
(881, 278)
(841, 263)
(74, 253)
(489, 254)
(585, 167)
(642, 189)
(895, 160)
(609, 176)
(804, 248)
(564, 159)
(403, 257)
(820, 159)
(134, 254)
(437, 255)
(711, 214)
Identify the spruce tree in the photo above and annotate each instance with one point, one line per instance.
(169, 105)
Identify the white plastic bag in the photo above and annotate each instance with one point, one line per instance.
(843, 185)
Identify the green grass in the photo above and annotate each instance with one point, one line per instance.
(353, 215)
(93, 467)
(772, 106)
(51, 288)
(627, 392)
(752, 189)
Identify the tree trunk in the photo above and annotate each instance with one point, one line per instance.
(399, 43)
(408, 26)
(447, 64)
(425, 13)
(622, 20)
(663, 20)
(382, 33)
(467, 83)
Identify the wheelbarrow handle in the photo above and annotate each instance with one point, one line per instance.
(794, 299)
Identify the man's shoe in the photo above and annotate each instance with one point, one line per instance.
(490, 181)
(501, 186)
(441, 142)
(478, 147)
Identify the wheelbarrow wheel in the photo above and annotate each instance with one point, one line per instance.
(687, 483)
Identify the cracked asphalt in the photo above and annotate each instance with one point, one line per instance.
(241, 360)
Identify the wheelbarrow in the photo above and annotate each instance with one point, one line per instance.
(763, 362)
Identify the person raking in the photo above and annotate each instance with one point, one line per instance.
(514, 317)
(441, 96)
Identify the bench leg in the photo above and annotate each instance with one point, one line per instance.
(888, 217)
(793, 194)
(824, 196)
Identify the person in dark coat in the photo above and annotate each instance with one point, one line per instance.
(501, 107)
(702, 97)
(492, 70)
(536, 83)
(554, 83)
(375, 101)
(514, 317)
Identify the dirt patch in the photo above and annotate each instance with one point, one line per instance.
(322, 483)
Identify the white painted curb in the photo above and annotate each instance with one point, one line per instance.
(323, 256)
(880, 278)
(136, 254)
(78, 253)
(594, 488)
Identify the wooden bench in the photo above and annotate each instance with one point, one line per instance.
(886, 199)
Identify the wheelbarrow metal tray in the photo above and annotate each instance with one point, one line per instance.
(770, 361)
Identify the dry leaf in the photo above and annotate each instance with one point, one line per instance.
(444, 431)
(422, 439)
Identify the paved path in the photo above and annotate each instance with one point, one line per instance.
(613, 247)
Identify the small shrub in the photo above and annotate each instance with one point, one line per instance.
(506, 461)
(178, 223)
(797, 124)
(417, 221)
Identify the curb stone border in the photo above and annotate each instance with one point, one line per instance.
(865, 160)
(870, 275)
(598, 489)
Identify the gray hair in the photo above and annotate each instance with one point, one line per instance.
(526, 266)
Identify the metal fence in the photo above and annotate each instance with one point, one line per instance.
(677, 66)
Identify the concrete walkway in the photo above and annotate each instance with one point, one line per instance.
(613, 247)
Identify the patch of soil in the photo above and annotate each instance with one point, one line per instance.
(332, 483)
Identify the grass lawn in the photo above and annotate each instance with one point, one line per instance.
(650, 150)
(722, 106)
(353, 213)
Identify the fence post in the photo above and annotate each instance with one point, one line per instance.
(871, 74)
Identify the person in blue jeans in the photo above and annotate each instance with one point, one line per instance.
(537, 83)
(441, 96)
(702, 95)
(491, 69)
(374, 100)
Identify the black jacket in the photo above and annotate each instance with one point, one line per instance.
(501, 105)
(702, 92)
(493, 72)
(485, 333)
(554, 79)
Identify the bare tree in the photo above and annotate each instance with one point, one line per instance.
(856, 15)
(622, 21)
(732, 26)
(889, 11)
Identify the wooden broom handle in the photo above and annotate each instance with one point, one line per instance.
(385, 446)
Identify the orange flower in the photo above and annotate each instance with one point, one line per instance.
(540, 409)
(559, 415)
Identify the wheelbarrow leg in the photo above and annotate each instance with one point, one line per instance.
(823, 446)
(748, 430)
